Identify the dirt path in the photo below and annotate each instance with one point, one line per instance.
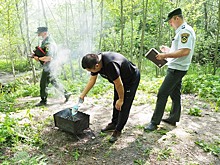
(169, 145)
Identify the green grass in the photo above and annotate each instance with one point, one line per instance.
(205, 86)
(213, 147)
(23, 157)
(20, 66)
(164, 154)
(8, 133)
(11, 133)
(195, 112)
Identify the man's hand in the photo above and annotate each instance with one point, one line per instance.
(36, 58)
(119, 104)
(120, 90)
(81, 99)
(160, 56)
(164, 49)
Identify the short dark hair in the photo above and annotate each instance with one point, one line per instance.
(179, 15)
(89, 61)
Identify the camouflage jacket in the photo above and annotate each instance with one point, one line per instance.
(49, 46)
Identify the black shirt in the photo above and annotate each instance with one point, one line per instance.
(115, 65)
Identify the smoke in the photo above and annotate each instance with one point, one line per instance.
(81, 38)
(87, 25)
(56, 67)
(58, 61)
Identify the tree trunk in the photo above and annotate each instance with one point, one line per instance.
(9, 40)
(92, 24)
(159, 43)
(44, 13)
(217, 52)
(61, 34)
(122, 27)
(145, 5)
(101, 26)
(132, 29)
(87, 37)
(28, 40)
(206, 18)
(74, 32)
(21, 31)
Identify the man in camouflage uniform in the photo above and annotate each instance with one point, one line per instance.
(49, 47)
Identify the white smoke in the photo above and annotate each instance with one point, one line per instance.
(81, 37)
(58, 61)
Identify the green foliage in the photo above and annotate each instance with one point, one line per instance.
(164, 154)
(162, 131)
(101, 87)
(13, 90)
(214, 147)
(76, 155)
(8, 133)
(140, 127)
(102, 134)
(20, 65)
(139, 162)
(7, 103)
(28, 90)
(24, 158)
(149, 85)
(206, 86)
(195, 112)
(147, 151)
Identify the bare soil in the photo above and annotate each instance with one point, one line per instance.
(168, 145)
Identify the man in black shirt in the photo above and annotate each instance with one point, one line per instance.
(125, 77)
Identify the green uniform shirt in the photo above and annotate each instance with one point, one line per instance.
(50, 48)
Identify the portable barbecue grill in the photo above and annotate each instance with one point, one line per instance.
(71, 123)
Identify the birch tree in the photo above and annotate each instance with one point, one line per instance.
(28, 39)
(217, 49)
(144, 9)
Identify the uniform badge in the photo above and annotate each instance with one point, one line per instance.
(184, 37)
(47, 48)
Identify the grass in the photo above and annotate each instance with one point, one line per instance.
(164, 154)
(76, 155)
(162, 131)
(20, 66)
(213, 147)
(195, 112)
(30, 134)
(206, 87)
(23, 157)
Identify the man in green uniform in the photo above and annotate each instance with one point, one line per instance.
(49, 47)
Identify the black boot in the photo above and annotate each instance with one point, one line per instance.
(114, 136)
(43, 102)
(109, 127)
(173, 123)
(150, 127)
(67, 96)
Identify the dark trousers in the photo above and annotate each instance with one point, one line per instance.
(119, 118)
(171, 86)
(46, 78)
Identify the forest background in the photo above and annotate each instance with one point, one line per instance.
(130, 27)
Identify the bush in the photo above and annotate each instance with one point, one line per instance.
(7, 131)
(205, 86)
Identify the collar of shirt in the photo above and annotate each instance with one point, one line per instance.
(180, 27)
